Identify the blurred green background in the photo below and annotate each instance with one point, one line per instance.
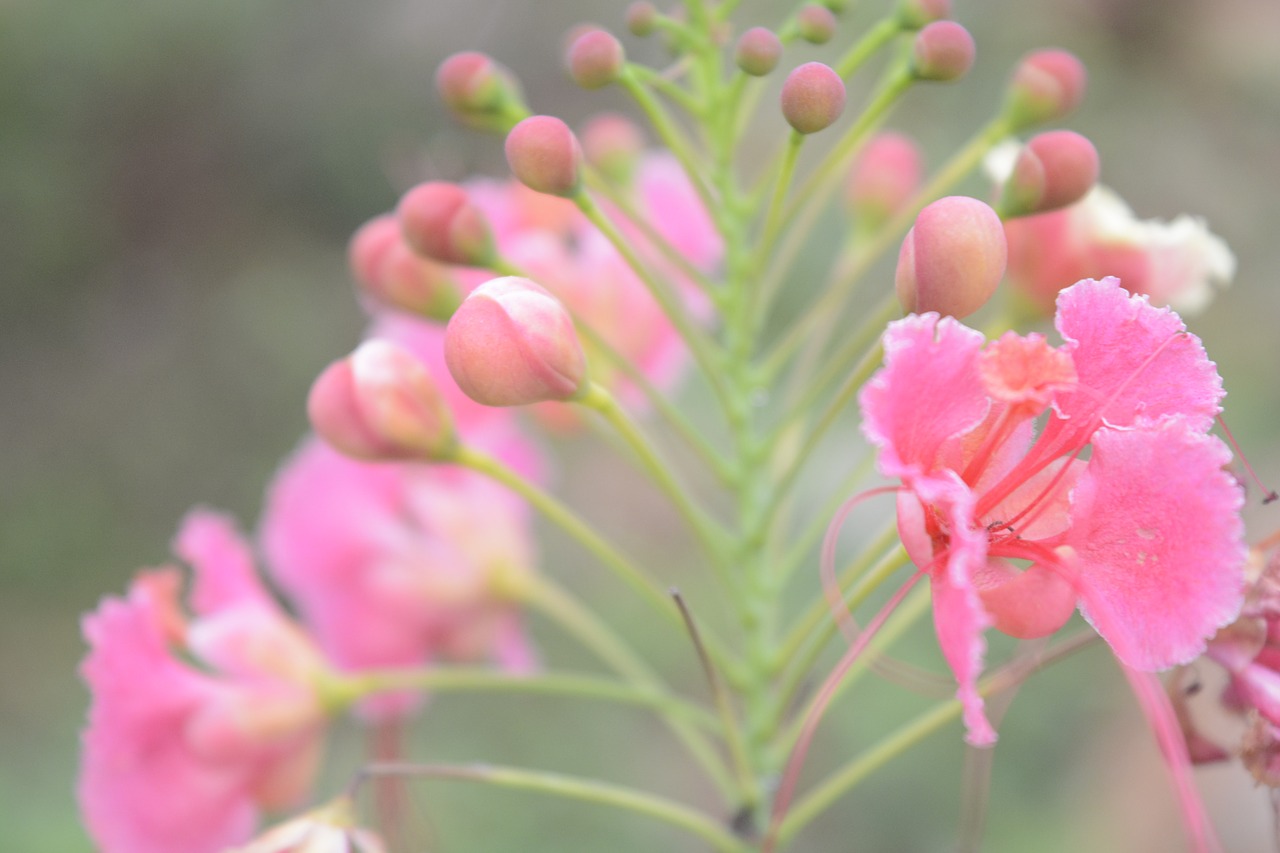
(177, 183)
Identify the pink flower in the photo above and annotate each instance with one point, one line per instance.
(180, 756)
(397, 565)
(1143, 535)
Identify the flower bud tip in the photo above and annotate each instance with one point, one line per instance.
(812, 97)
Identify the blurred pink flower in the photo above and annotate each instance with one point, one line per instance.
(1144, 535)
(180, 756)
(397, 565)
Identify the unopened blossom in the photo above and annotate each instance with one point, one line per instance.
(1179, 263)
(1143, 535)
(196, 725)
(399, 564)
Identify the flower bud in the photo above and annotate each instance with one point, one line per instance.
(512, 343)
(1053, 170)
(544, 155)
(952, 259)
(613, 143)
(642, 18)
(595, 59)
(914, 14)
(1046, 86)
(758, 51)
(369, 247)
(816, 24)
(943, 52)
(884, 178)
(440, 222)
(812, 97)
(379, 403)
(388, 271)
(480, 92)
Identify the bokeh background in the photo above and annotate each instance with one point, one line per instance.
(177, 183)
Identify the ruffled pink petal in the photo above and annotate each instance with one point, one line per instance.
(958, 615)
(225, 576)
(927, 393)
(1156, 526)
(141, 788)
(1135, 360)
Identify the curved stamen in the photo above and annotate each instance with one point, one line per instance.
(827, 565)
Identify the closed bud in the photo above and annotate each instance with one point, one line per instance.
(952, 259)
(1046, 86)
(595, 59)
(544, 155)
(642, 18)
(816, 24)
(943, 51)
(440, 222)
(512, 343)
(613, 144)
(812, 97)
(380, 403)
(481, 93)
(370, 246)
(1053, 170)
(758, 51)
(884, 178)
(393, 275)
(914, 14)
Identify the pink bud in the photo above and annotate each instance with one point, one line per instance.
(758, 51)
(914, 14)
(613, 143)
(369, 247)
(816, 24)
(812, 97)
(512, 343)
(1053, 170)
(595, 59)
(379, 403)
(1046, 86)
(479, 91)
(386, 269)
(544, 155)
(884, 178)
(440, 222)
(642, 18)
(943, 52)
(952, 259)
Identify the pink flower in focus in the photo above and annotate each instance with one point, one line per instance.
(397, 565)
(1119, 505)
(183, 757)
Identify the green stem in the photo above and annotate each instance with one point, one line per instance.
(875, 38)
(342, 691)
(589, 630)
(649, 77)
(574, 788)
(709, 532)
(564, 518)
(843, 780)
(670, 135)
(699, 344)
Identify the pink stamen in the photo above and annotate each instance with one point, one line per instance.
(1268, 495)
(827, 565)
(818, 707)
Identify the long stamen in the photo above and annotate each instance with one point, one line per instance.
(1037, 505)
(820, 702)
(995, 437)
(1268, 495)
(827, 565)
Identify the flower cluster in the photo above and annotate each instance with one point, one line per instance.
(1032, 480)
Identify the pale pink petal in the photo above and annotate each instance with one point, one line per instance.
(224, 568)
(676, 211)
(1134, 360)
(927, 393)
(1156, 526)
(141, 788)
